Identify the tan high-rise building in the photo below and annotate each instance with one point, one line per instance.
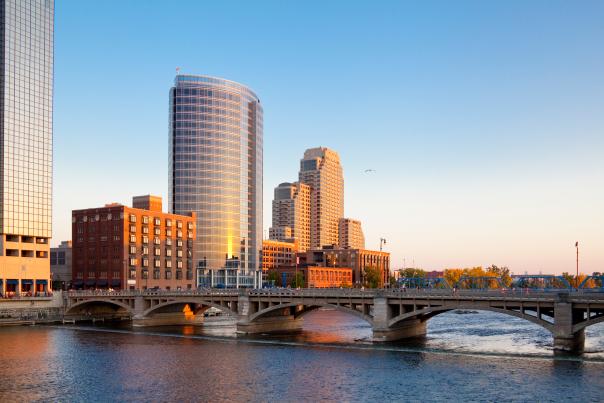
(26, 88)
(291, 214)
(321, 170)
(351, 234)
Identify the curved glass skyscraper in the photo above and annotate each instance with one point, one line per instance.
(216, 172)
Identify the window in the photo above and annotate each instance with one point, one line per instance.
(117, 238)
(179, 243)
(133, 250)
(178, 224)
(179, 274)
(132, 218)
(132, 274)
(132, 261)
(91, 274)
(179, 234)
(145, 250)
(157, 251)
(145, 239)
(168, 252)
(189, 234)
(145, 219)
(179, 264)
(168, 275)
(133, 228)
(116, 274)
(179, 253)
(168, 263)
(168, 232)
(156, 240)
(168, 222)
(156, 263)
(169, 241)
(145, 262)
(145, 274)
(156, 222)
(189, 274)
(157, 231)
(133, 238)
(145, 230)
(156, 274)
(190, 225)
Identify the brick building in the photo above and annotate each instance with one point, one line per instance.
(277, 253)
(356, 259)
(315, 276)
(135, 247)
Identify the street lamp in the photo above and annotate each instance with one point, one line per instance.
(577, 278)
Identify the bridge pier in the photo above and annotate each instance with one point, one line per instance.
(565, 340)
(570, 344)
(272, 324)
(404, 330)
(382, 331)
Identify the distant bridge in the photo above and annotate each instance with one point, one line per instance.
(393, 314)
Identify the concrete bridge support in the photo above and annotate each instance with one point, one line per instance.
(278, 321)
(382, 313)
(565, 340)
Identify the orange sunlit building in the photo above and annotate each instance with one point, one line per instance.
(315, 276)
(136, 247)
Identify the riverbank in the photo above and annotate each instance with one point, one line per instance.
(32, 310)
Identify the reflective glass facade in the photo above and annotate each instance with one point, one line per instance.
(216, 168)
(26, 87)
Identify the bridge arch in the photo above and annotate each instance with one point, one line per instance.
(429, 312)
(192, 301)
(96, 303)
(309, 307)
(582, 325)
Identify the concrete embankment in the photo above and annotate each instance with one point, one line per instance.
(26, 311)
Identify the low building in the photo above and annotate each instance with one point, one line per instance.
(276, 254)
(359, 260)
(314, 276)
(60, 266)
(137, 247)
(230, 276)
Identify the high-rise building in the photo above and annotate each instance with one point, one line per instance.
(216, 171)
(321, 170)
(134, 248)
(291, 214)
(26, 88)
(351, 234)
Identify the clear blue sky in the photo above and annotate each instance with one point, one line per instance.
(484, 121)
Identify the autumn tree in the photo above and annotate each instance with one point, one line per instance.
(372, 277)
(412, 273)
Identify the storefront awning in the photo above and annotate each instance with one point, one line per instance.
(41, 282)
(90, 282)
(78, 283)
(26, 281)
(116, 283)
(101, 283)
(12, 282)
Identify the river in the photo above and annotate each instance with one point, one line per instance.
(465, 357)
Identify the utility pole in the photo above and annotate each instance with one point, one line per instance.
(577, 278)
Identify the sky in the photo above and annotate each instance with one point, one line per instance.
(483, 121)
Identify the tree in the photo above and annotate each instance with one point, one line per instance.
(273, 278)
(297, 281)
(392, 280)
(502, 272)
(372, 277)
(411, 272)
(452, 276)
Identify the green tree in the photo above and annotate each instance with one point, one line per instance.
(411, 272)
(372, 277)
(273, 278)
(297, 281)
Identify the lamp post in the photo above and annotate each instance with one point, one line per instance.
(386, 275)
(577, 278)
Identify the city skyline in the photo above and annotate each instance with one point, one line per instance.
(489, 157)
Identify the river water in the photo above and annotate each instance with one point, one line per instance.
(465, 357)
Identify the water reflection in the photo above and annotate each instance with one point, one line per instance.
(330, 359)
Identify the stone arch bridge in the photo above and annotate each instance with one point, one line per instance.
(392, 314)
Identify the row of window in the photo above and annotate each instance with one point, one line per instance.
(156, 263)
(157, 251)
(157, 231)
(157, 221)
(157, 274)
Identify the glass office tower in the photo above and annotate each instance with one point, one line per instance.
(216, 171)
(26, 88)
